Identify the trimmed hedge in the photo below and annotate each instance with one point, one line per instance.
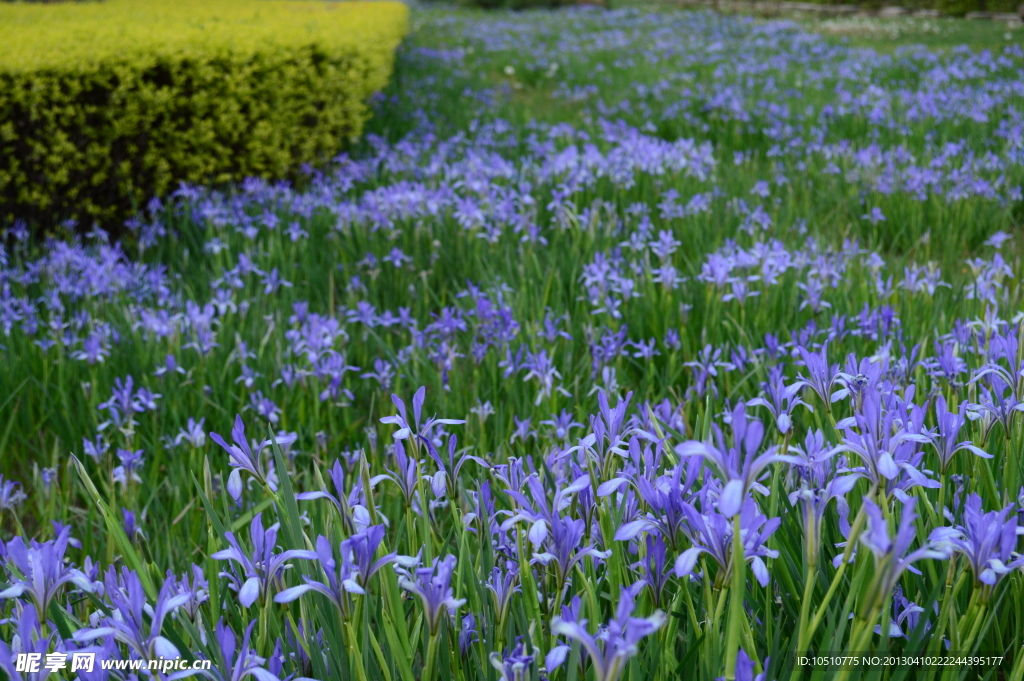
(105, 105)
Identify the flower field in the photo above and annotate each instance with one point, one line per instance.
(628, 344)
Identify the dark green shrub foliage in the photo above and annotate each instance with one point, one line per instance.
(93, 139)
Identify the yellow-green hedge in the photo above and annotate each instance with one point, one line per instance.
(104, 105)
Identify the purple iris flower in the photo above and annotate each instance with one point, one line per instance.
(264, 406)
(821, 376)
(197, 590)
(557, 654)
(192, 433)
(886, 442)
(133, 622)
(645, 350)
(512, 475)
(37, 572)
(10, 494)
(947, 363)
(95, 448)
(655, 576)
(562, 425)
(745, 668)
(948, 426)
(541, 367)
(448, 475)
(616, 642)
(905, 616)
(169, 366)
(512, 664)
(502, 584)
(27, 638)
(522, 430)
(262, 567)
(610, 426)
(351, 575)
(467, 634)
(738, 464)
(818, 486)
(483, 511)
(363, 548)
(540, 513)
(350, 506)
(999, 400)
(382, 372)
(95, 348)
(551, 331)
(712, 534)
(780, 399)
(891, 553)
(146, 399)
(121, 404)
(860, 378)
(433, 587)
(406, 476)
(128, 523)
(243, 457)
(875, 215)
(663, 413)
(401, 419)
(989, 540)
(705, 368)
(640, 462)
(272, 282)
(563, 547)
(664, 498)
(128, 471)
(241, 662)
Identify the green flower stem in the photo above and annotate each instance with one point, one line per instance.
(617, 581)
(526, 578)
(1012, 447)
(382, 662)
(588, 581)
(855, 530)
(969, 628)
(431, 663)
(748, 641)
(264, 634)
(859, 636)
(948, 611)
(1017, 674)
(364, 471)
(410, 528)
(805, 604)
(979, 616)
(668, 633)
(967, 622)
(719, 605)
(427, 539)
(732, 636)
(684, 589)
(355, 655)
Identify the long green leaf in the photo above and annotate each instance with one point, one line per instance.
(128, 553)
